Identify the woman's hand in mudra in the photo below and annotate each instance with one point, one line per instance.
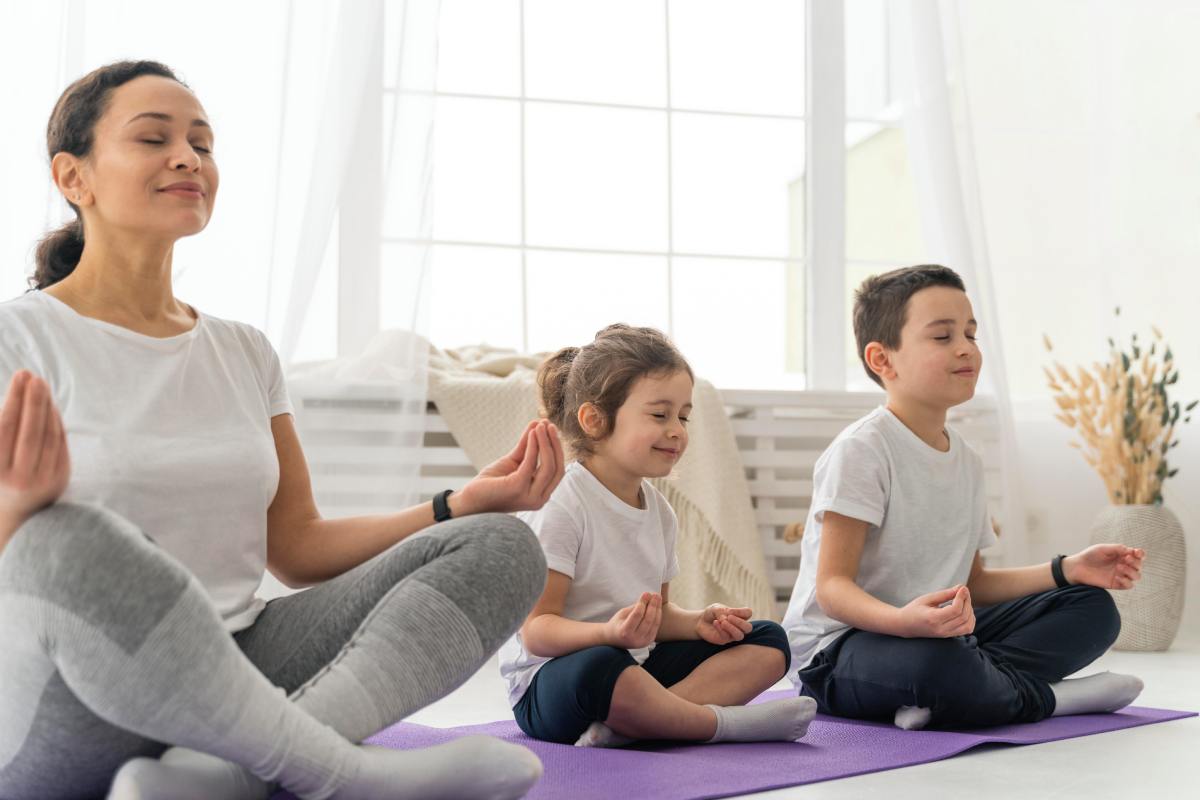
(34, 463)
(523, 480)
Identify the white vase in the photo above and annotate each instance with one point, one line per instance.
(1152, 609)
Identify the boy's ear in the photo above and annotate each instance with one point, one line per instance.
(591, 420)
(879, 360)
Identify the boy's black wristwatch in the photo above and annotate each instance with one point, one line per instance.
(441, 508)
(1060, 578)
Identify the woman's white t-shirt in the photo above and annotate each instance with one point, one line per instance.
(926, 511)
(611, 551)
(174, 434)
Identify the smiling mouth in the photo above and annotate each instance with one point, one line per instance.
(191, 191)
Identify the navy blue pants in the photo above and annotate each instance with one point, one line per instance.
(571, 692)
(1000, 674)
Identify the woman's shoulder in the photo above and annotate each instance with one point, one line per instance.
(23, 320)
(25, 308)
(231, 333)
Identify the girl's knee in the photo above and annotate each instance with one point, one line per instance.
(771, 635)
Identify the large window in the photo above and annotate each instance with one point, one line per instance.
(646, 162)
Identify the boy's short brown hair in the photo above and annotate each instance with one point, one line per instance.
(881, 305)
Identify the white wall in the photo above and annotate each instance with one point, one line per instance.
(1085, 120)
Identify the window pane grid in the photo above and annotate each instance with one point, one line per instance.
(761, 246)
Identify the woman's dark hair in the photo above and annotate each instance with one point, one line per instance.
(881, 305)
(72, 130)
(602, 373)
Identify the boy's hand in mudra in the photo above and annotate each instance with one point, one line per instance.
(720, 624)
(1108, 566)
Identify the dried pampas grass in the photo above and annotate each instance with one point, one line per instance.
(1121, 411)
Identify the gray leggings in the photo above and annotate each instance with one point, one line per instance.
(110, 650)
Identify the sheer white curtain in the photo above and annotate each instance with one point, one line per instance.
(315, 158)
(940, 148)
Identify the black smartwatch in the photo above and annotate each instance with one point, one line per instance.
(1060, 578)
(441, 506)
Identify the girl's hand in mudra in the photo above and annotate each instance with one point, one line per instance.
(523, 480)
(720, 624)
(1108, 566)
(34, 463)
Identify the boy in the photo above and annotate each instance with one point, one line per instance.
(893, 615)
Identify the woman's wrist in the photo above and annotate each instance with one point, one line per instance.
(461, 504)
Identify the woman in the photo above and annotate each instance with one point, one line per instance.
(184, 480)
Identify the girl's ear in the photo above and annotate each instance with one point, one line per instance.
(591, 420)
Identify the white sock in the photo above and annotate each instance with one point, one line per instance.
(778, 720)
(184, 774)
(473, 766)
(1095, 694)
(912, 718)
(600, 735)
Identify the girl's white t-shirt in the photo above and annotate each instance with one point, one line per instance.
(926, 511)
(611, 551)
(173, 434)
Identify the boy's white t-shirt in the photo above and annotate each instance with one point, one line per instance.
(173, 434)
(611, 551)
(927, 514)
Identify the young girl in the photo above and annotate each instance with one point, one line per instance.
(585, 667)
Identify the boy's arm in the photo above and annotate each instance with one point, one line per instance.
(1107, 566)
(991, 586)
(842, 540)
(547, 633)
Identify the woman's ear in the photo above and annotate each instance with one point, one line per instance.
(591, 420)
(67, 171)
(879, 360)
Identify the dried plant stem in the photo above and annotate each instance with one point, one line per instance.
(1124, 420)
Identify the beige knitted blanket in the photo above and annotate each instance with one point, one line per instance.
(487, 396)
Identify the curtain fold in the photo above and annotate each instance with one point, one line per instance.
(943, 163)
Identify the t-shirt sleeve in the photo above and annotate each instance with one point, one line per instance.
(278, 401)
(559, 533)
(851, 479)
(670, 534)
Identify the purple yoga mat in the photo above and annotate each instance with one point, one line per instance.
(833, 748)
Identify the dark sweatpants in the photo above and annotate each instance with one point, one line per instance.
(1000, 674)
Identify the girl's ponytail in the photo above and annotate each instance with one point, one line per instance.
(552, 383)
